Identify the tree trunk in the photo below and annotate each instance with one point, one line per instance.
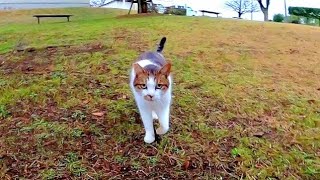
(285, 10)
(144, 6)
(266, 14)
(265, 9)
(239, 15)
(139, 6)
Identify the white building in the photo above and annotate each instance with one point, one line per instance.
(119, 4)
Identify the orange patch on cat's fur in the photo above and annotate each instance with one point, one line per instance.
(141, 76)
(161, 76)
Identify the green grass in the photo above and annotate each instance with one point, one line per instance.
(246, 98)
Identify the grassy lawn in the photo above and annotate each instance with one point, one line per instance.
(246, 98)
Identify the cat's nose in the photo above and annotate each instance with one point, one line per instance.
(149, 97)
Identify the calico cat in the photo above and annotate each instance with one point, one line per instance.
(151, 84)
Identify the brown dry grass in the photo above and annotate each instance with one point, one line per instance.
(246, 98)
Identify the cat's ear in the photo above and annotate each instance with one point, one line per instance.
(165, 70)
(138, 69)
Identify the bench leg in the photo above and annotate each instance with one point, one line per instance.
(38, 20)
(68, 19)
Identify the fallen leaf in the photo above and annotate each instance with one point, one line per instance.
(258, 134)
(259, 165)
(49, 143)
(311, 101)
(186, 165)
(85, 102)
(99, 114)
(29, 68)
(30, 49)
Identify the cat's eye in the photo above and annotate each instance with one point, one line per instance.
(143, 86)
(159, 86)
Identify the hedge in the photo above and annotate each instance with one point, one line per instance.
(305, 12)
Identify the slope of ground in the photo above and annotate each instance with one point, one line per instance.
(246, 98)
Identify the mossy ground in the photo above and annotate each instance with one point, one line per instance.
(246, 98)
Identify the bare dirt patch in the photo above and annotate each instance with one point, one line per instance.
(87, 48)
(134, 39)
(41, 61)
(27, 62)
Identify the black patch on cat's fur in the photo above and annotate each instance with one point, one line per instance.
(161, 45)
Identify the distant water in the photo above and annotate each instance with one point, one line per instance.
(6, 6)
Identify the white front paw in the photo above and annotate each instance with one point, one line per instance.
(149, 138)
(154, 115)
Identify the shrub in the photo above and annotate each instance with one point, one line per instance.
(294, 19)
(278, 18)
(176, 11)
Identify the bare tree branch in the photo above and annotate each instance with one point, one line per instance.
(100, 3)
(242, 6)
(254, 7)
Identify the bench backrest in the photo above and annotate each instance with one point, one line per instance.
(52, 15)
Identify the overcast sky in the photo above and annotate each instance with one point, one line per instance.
(276, 6)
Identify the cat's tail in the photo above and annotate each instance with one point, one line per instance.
(161, 45)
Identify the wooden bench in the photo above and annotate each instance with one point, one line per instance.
(210, 12)
(51, 15)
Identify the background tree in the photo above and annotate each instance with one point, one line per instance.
(253, 8)
(241, 6)
(142, 4)
(265, 9)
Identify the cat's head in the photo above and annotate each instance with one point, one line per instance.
(151, 84)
